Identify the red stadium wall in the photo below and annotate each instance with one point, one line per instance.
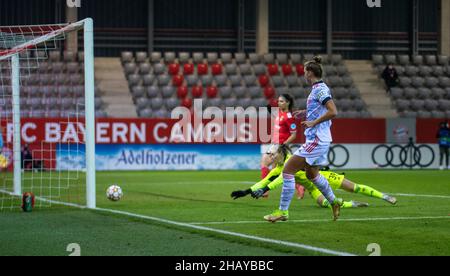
(359, 131)
(427, 130)
(158, 131)
(359, 137)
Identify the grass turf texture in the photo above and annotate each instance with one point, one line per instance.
(204, 197)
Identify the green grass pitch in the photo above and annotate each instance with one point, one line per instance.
(418, 225)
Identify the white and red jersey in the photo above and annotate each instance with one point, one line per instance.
(285, 126)
(316, 108)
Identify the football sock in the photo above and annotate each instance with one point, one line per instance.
(322, 184)
(264, 172)
(368, 191)
(288, 191)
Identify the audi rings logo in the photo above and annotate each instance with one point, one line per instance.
(338, 155)
(403, 156)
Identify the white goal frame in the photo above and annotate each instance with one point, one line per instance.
(13, 54)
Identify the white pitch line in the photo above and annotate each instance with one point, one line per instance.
(318, 220)
(196, 227)
(228, 233)
(414, 195)
(403, 195)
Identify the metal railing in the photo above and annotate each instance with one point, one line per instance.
(352, 45)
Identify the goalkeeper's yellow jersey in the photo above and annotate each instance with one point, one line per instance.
(275, 179)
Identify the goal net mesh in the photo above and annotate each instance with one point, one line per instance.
(50, 107)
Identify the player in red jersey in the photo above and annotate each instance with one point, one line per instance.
(284, 133)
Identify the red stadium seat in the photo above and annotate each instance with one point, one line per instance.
(269, 92)
(197, 91)
(188, 69)
(217, 69)
(182, 92)
(212, 91)
(272, 69)
(174, 68)
(263, 80)
(186, 102)
(300, 69)
(287, 69)
(202, 69)
(177, 80)
(273, 102)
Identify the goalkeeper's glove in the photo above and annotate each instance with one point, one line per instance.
(260, 192)
(238, 194)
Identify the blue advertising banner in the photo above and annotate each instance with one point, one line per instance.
(162, 157)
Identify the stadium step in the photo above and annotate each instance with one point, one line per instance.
(111, 80)
(371, 88)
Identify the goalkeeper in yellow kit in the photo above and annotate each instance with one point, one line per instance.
(337, 181)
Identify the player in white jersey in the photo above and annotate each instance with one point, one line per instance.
(313, 154)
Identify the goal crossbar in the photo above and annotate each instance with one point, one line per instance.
(32, 43)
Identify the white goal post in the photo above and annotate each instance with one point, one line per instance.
(15, 42)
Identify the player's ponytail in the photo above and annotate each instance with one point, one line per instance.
(285, 150)
(315, 66)
(318, 59)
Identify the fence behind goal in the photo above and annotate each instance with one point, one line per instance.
(38, 81)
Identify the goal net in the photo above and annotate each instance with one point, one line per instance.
(47, 115)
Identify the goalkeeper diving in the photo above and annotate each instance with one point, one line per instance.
(337, 181)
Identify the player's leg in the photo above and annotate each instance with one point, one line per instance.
(266, 162)
(312, 172)
(295, 164)
(352, 187)
(447, 156)
(300, 190)
(323, 202)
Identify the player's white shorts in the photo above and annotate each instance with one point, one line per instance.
(315, 153)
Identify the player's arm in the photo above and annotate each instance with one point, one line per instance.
(292, 129)
(273, 174)
(272, 181)
(265, 182)
(331, 113)
(291, 138)
(274, 184)
(299, 114)
(325, 99)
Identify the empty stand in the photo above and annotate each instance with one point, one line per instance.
(424, 87)
(55, 87)
(161, 82)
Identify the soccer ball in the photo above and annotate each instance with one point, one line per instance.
(114, 193)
